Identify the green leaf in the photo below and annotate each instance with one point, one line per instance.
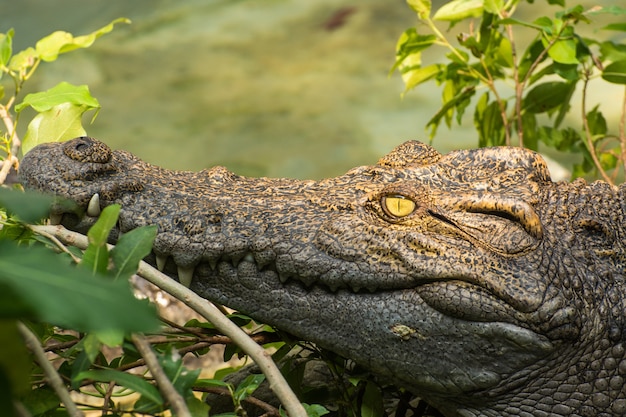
(247, 387)
(457, 10)
(493, 6)
(488, 122)
(40, 401)
(23, 60)
(314, 410)
(130, 381)
(58, 124)
(421, 7)
(547, 96)
(49, 48)
(131, 248)
(29, 206)
(15, 362)
(616, 26)
(67, 296)
(97, 253)
(597, 122)
(182, 378)
(6, 47)
(372, 405)
(615, 72)
(414, 77)
(61, 93)
(562, 51)
(460, 101)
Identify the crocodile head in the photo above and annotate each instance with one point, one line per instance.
(469, 278)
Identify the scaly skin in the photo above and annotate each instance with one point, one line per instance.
(469, 278)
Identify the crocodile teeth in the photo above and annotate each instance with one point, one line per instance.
(93, 208)
(213, 263)
(248, 258)
(55, 218)
(236, 259)
(185, 275)
(160, 261)
(283, 277)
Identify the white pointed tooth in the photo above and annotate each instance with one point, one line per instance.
(160, 261)
(55, 218)
(185, 275)
(93, 208)
(248, 257)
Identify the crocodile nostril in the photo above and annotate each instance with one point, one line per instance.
(86, 149)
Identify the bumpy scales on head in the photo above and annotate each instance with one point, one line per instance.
(469, 278)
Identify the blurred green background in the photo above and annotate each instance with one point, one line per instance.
(295, 88)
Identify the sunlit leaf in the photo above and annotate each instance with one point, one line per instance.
(493, 6)
(417, 76)
(61, 93)
(58, 124)
(421, 7)
(49, 48)
(21, 61)
(562, 51)
(458, 10)
(6, 47)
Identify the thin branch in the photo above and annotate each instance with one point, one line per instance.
(53, 378)
(622, 131)
(588, 136)
(207, 310)
(177, 402)
(269, 409)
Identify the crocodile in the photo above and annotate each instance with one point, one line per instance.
(469, 278)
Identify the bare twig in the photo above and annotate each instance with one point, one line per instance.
(51, 374)
(207, 310)
(269, 409)
(622, 131)
(177, 402)
(589, 139)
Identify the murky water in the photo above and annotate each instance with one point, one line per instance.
(293, 88)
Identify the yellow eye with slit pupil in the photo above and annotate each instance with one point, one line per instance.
(398, 205)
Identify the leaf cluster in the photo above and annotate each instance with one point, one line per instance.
(521, 93)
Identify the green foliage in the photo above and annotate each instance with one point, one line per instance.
(529, 90)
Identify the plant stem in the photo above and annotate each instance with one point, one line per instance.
(177, 402)
(589, 139)
(622, 131)
(210, 312)
(53, 378)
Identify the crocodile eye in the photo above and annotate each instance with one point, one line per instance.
(396, 205)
